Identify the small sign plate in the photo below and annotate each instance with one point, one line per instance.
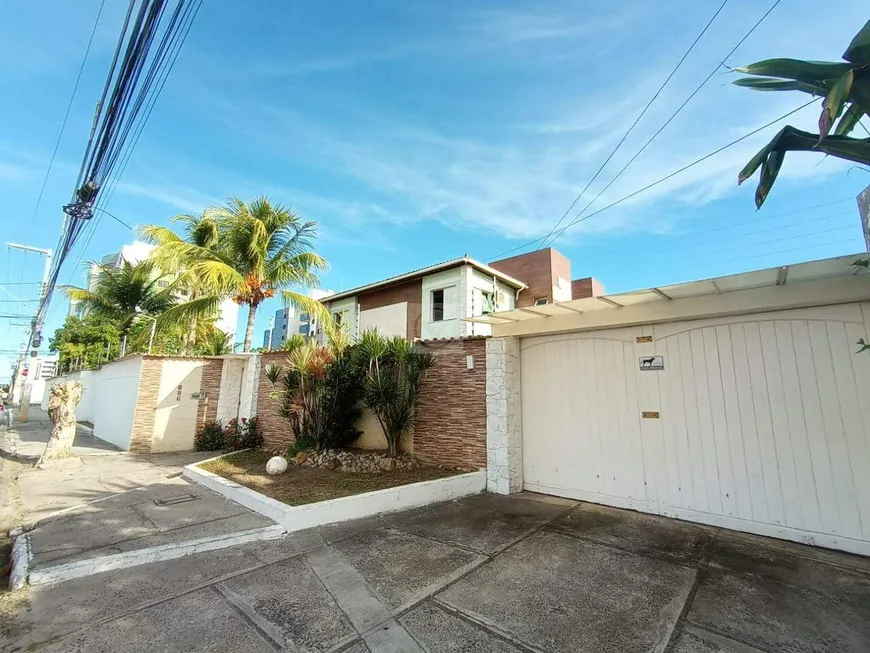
(642, 339)
(652, 363)
(650, 414)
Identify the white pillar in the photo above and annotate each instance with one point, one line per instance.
(504, 423)
(864, 210)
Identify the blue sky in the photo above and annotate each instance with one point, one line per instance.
(417, 132)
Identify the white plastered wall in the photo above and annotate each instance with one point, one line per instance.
(457, 280)
(177, 404)
(113, 402)
(390, 320)
(347, 305)
(478, 283)
(229, 399)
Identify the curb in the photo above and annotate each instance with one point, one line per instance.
(21, 557)
(159, 553)
(367, 504)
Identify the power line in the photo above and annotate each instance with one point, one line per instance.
(66, 115)
(781, 251)
(661, 180)
(637, 120)
(820, 218)
(777, 215)
(681, 170)
(115, 218)
(674, 114)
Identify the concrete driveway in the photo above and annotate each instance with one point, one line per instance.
(482, 574)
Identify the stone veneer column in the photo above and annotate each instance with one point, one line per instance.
(504, 425)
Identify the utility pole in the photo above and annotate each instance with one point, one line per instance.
(35, 340)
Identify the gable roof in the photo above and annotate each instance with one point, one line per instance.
(422, 272)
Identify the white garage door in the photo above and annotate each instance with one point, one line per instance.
(758, 423)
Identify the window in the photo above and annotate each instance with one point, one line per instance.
(303, 317)
(443, 304)
(541, 301)
(303, 328)
(437, 305)
(487, 303)
(338, 318)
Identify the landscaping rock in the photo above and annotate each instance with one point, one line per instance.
(301, 458)
(387, 464)
(357, 462)
(276, 465)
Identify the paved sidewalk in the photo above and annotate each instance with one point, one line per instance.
(26, 441)
(488, 574)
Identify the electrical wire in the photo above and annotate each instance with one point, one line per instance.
(672, 116)
(661, 180)
(66, 115)
(681, 170)
(637, 120)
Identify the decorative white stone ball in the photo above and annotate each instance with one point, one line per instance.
(276, 465)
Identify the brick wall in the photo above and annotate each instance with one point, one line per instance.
(146, 404)
(540, 271)
(210, 390)
(275, 428)
(586, 287)
(450, 425)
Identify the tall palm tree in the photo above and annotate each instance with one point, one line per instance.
(262, 250)
(202, 232)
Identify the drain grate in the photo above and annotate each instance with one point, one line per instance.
(171, 501)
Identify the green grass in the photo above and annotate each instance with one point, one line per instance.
(302, 485)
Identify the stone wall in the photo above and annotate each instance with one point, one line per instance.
(146, 404)
(275, 428)
(504, 425)
(210, 390)
(450, 425)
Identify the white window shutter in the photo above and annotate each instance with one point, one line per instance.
(450, 308)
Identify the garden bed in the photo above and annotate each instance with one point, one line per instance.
(304, 485)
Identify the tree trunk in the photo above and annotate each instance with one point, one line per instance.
(249, 329)
(62, 401)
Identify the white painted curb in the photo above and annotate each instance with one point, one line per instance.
(20, 560)
(159, 553)
(296, 518)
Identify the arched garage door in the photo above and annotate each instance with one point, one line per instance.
(758, 423)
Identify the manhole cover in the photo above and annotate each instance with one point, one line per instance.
(171, 501)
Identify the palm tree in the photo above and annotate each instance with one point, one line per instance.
(131, 292)
(202, 232)
(845, 85)
(262, 250)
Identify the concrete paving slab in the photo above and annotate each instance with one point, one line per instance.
(405, 568)
(359, 647)
(560, 593)
(199, 621)
(669, 539)
(63, 607)
(484, 522)
(76, 481)
(288, 602)
(790, 563)
(438, 630)
(696, 640)
(138, 519)
(776, 616)
(392, 638)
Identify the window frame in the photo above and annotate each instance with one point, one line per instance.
(542, 301)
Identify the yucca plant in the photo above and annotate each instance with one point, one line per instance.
(395, 368)
(845, 87)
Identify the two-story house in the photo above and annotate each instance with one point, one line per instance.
(431, 302)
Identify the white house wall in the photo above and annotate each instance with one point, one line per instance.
(389, 320)
(505, 299)
(455, 278)
(349, 306)
(115, 390)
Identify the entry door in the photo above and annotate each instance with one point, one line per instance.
(757, 423)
